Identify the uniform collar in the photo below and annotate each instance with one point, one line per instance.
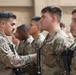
(3, 35)
(38, 36)
(75, 40)
(57, 30)
(50, 36)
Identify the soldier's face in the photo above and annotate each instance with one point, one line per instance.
(17, 35)
(15, 40)
(46, 21)
(73, 25)
(9, 26)
(33, 28)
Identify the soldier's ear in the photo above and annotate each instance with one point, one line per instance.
(38, 27)
(2, 23)
(54, 18)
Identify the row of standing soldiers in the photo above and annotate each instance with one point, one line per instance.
(57, 52)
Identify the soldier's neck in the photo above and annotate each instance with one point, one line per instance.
(1, 32)
(36, 35)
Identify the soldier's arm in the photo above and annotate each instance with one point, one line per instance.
(61, 44)
(58, 45)
(9, 59)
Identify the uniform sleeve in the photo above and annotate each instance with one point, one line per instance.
(28, 48)
(9, 59)
(61, 44)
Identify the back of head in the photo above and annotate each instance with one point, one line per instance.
(22, 30)
(74, 11)
(23, 27)
(62, 25)
(4, 15)
(54, 10)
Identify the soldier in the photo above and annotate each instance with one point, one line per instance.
(73, 31)
(35, 31)
(22, 35)
(8, 55)
(55, 42)
(24, 47)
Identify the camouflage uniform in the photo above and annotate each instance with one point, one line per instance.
(24, 48)
(9, 58)
(35, 45)
(53, 45)
(73, 65)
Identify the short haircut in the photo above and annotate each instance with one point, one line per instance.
(62, 25)
(74, 11)
(6, 15)
(22, 30)
(36, 18)
(54, 10)
(23, 27)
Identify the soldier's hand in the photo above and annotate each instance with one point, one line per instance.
(34, 56)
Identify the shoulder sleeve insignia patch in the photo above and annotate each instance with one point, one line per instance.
(4, 46)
